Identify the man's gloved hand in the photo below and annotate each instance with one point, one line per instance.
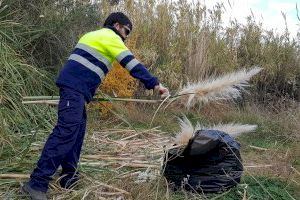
(163, 91)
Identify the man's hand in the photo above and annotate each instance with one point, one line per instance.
(163, 91)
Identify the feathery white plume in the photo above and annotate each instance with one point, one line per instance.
(222, 88)
(232, 129)
(187, 131)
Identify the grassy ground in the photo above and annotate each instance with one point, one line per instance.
(270, 155)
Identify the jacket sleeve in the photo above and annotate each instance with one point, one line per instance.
(120, 52)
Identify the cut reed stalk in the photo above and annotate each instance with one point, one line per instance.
(133, 165)
(258, 148)
(295, 170)
(41, 98)
(14, 176)
(54, 101)
(226, 87)
(113, 188)
(48, 102)
(257, 166)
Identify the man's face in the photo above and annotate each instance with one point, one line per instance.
(122, 29)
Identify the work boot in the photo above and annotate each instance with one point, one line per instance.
(32, 193)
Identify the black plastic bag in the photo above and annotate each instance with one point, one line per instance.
(211, 162)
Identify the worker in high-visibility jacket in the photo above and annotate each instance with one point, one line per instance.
(83, 72)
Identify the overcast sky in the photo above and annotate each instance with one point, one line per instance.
(266, 11)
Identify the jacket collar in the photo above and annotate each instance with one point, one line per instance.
(115, 30)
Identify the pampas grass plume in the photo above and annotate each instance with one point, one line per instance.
(231, 129)
(222, 88)
(187, 130)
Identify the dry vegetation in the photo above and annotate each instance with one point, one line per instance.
(179, 42)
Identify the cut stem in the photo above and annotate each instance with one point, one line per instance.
(14, 176)
(53, 100)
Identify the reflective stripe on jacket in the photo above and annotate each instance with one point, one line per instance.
(92, 59)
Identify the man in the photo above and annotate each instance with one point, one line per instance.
(78, 80)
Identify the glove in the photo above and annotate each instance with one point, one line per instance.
(163, 91)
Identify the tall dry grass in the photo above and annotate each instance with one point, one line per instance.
(179, 41)
(192, 43)
(19, 78)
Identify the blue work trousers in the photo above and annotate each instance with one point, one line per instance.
(64, 143)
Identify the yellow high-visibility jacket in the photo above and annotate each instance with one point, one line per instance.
(92, 59)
